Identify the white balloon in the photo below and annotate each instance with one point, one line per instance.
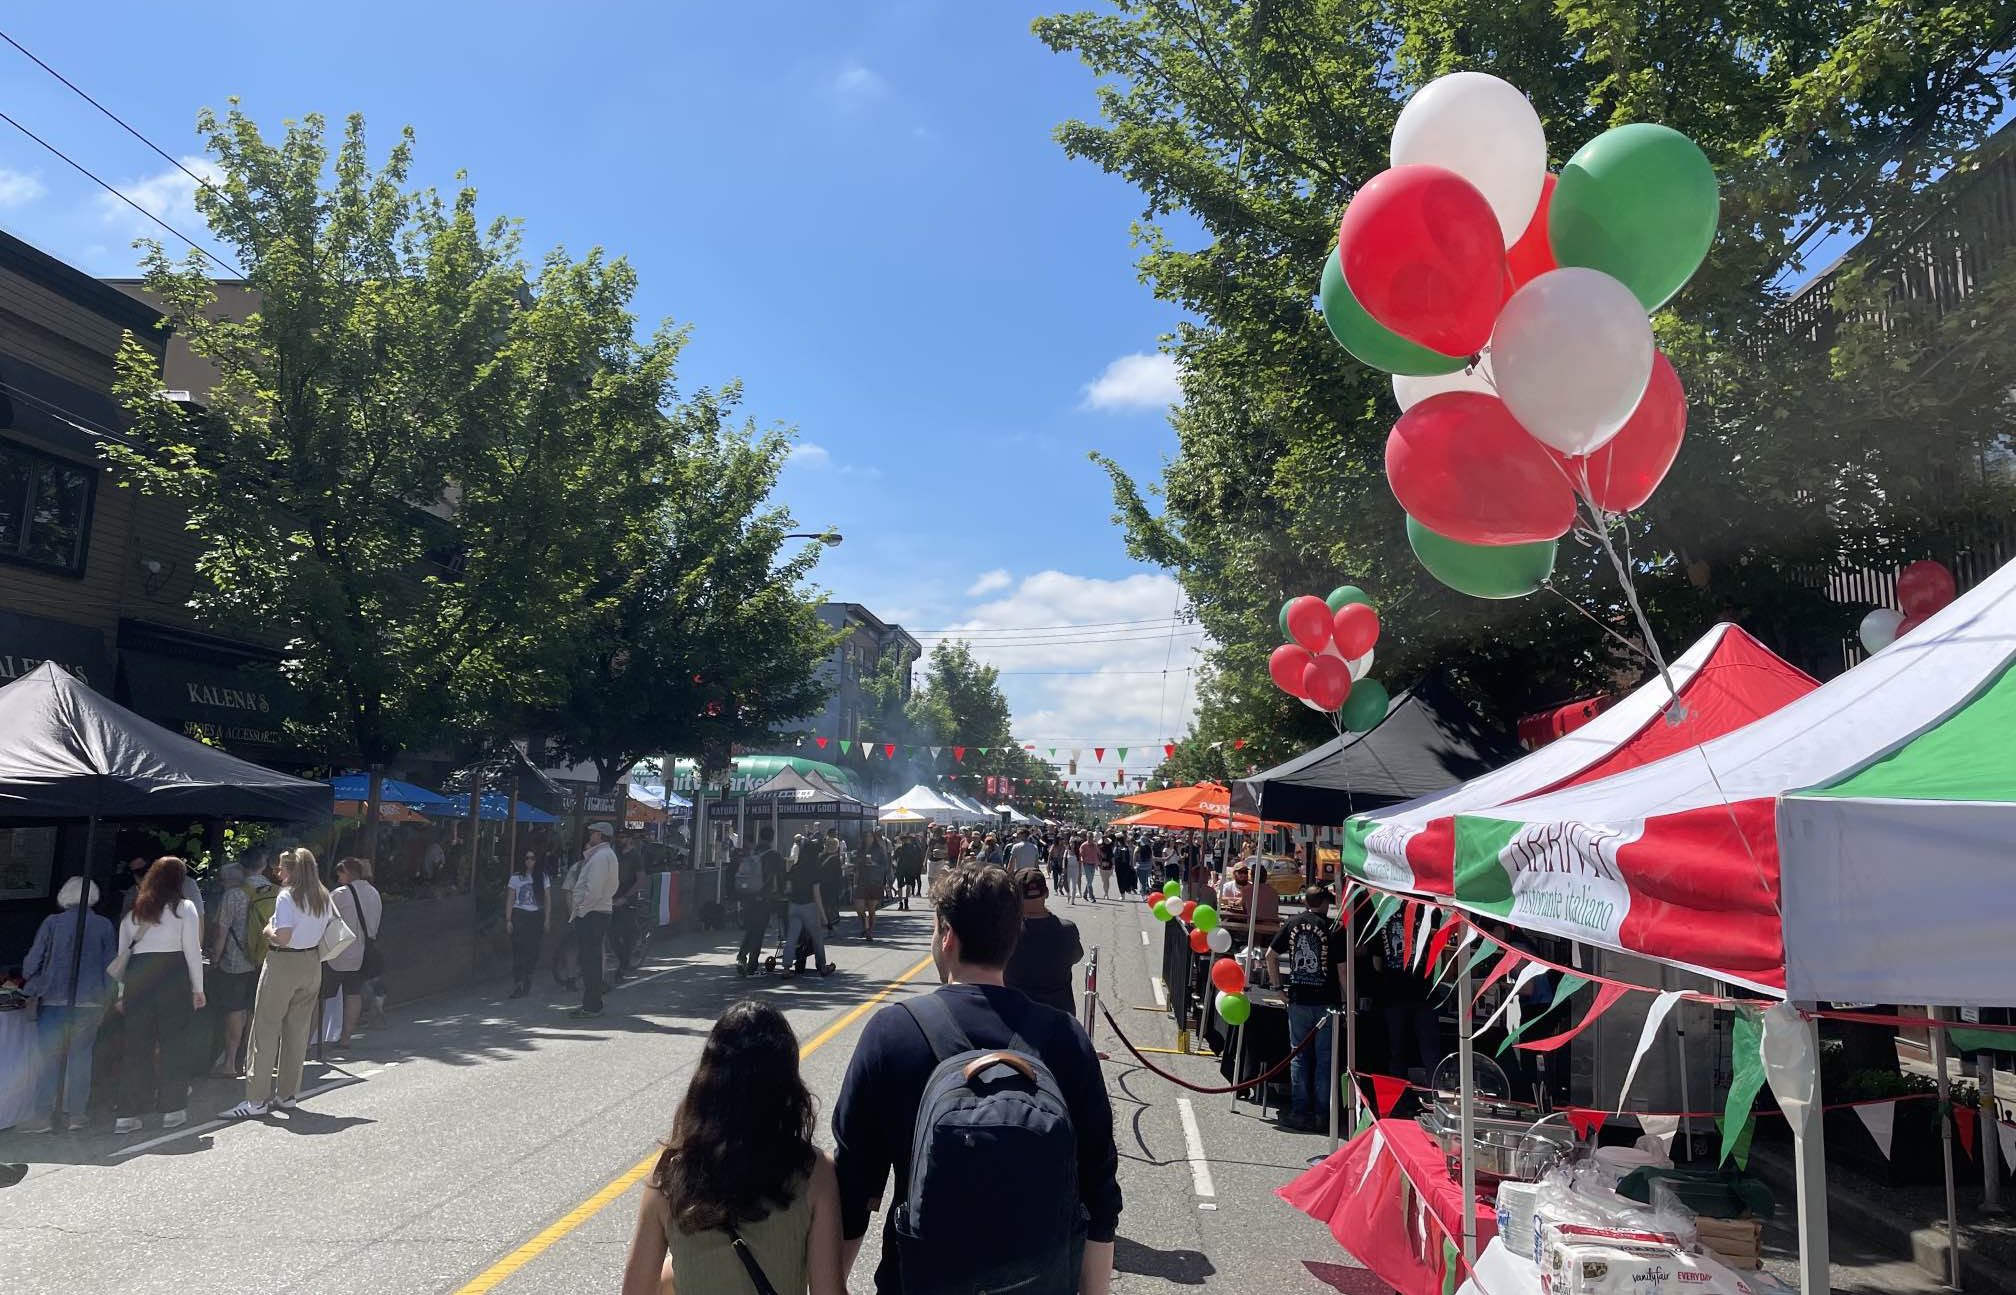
(1330, 649)
(1220, 939)
(1484, 130)
(1879, 628)
(1312, 705)
(1360, 665)
(1572, 354)
(1411, 391)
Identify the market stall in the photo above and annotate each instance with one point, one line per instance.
(929, 804)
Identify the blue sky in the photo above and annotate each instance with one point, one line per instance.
(858, 208)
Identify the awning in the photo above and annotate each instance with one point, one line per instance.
(230, 707)
(357, 786)
(27, 641)
(492, 808)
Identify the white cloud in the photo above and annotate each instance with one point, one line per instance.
(168, 194)
(856, 82)
(806, 454)
(1141, 381)
(19, 188)
(990, 582)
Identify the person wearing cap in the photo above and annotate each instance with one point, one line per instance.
(594, 896)
(1047, 950)
(51, 959)
(1240, 891)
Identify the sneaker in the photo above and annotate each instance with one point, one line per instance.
(36, 1126)
(244, 1111)
(828, 969)
(288, 1103)
(79, 1123)
(583, 1014)
(126, 1124)
(175, 1119)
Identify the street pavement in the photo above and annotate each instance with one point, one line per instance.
(482, 1143)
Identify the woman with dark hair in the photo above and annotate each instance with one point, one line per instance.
(740, 1189)
(524, 921)
(159, 968)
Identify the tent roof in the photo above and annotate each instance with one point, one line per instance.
(922, 800)
(791, 784)
(1428, 740)
(1196, 800)
(357, 786)
(67, 751)
(1725, 680)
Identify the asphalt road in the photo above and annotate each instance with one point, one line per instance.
(481, 1143)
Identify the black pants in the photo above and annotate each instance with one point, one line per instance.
(756, 915)
(154, 1075)
(526, 929)
(591, 931)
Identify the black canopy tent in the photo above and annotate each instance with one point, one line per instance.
(1429, 740)
(69, 752)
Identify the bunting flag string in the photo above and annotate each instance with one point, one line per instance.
(1515, 1030)
(1606, 998)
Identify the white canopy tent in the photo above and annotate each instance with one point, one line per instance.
(928, 803)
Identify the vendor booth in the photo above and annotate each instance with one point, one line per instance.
(928, 804)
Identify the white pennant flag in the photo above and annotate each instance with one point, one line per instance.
(1371, 1156)
(1880, 1118)
(1509, 1009)
(2007, 1133)
(1661, 1129)
(935, 750)
(1422, 931)
(1653, 1018)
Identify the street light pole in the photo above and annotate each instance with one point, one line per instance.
(829, 538)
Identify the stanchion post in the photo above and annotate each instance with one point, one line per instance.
(1336, 1090)
(1350, 1073)
(1466, 1077)
(1091, 989)
(1991, 1141)
(1945, 1087)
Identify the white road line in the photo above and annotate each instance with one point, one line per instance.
(208, 1125)
(1193, 1142)
(1144, 939)
(1161, 993)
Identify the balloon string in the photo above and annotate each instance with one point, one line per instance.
(1596, 621)
(1630, 587)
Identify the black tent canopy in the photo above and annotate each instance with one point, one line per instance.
(67, 751)
(1429, 740)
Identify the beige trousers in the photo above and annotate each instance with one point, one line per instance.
(290, 990)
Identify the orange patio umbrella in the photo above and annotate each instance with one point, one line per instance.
(1169, 818)
(388, 811)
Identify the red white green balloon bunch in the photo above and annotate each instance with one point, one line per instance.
(1511, 307)
(1327, 656)
(1207, 935)
(1923, 587)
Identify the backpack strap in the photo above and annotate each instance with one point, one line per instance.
(942, 1032)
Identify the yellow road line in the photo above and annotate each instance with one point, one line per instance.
(493, 1276)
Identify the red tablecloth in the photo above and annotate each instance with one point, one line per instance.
(1387, 1198)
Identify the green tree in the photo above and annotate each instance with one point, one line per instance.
(1254, 122)
(960, 703)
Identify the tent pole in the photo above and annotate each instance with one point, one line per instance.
(1810, 1155)
(511, 828)
(1350, 1017)
(1937, 1015)
(1467, 1112)
(1680, 1040)
(84, 872)
(374, 795)
(1991, 1148)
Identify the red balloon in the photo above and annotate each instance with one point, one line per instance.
(1309, 622)
(1286, 665)
(1629, 467)
(1462, 466)
(1356, 629)
(1200, 941)
(1908, 624)
(1425, 257)
(1190, 910)
(1923, 588)
(1326, 682)
(1531, 256)
(1229, 976)
(1155, 897)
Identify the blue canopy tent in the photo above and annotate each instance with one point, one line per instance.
(491, 809)
(357, 786)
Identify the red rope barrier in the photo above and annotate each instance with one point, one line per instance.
(1254, 1082)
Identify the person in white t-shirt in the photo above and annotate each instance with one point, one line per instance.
(160, 966)
(289, 987)
(364, 910)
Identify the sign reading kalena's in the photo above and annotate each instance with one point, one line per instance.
(246, 699)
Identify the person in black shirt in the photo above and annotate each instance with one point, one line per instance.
(1047, 950)
(977, 917)
(761, 904)
(1314, 948)
(805, 891)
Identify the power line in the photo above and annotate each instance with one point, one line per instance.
(88, 174)
(1087, 674)
(1018, 629)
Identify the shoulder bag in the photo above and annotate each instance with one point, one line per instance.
(337, 936)
(373, 965)
(749, 1264)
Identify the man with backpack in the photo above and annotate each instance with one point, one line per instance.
(238, 950)
(759, 885)
(978, 1058)
(1314, 947)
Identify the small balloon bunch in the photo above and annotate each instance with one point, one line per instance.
(1923, 587)
(1207, 935)
(1511, 307)
(1327, 656)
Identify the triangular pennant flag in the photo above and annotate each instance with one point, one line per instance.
(959, 753)
(1587, 1124)
(1606, 995)
(1746, 1078)
(1515, 1030)
(846, 745)
(1238, 744)
(1053, 753)
(1452, 1267)
(1661, 1128)
(1421, 935)
(1120, 751)
(1510, 1008)
(1028, 746)
(1371, 1158)
(1880, 1118)
(935, 750)
(985, 749)
(1098, 754)
(1387, 1090)
(1502, 968)
(1441, 940)
(889, 750)
(1168, 749)
(821, 741)
(1653, 1017)
(1076, 751)
(1736, 1143)
(1964, 1118)
(1407, 920)
(2006, 1133)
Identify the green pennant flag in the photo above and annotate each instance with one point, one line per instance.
(1122, 750)
(985, 749)
(1450, 1268)
(1569, 984)
(1739, 1151)
(846, 745)
(1053, 752)
(1746, 1079)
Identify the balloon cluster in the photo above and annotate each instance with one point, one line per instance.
(1328, 653)
(1206, 936)
(1510, 306)
(1923, 588)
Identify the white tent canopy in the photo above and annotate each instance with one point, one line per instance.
(922, 800)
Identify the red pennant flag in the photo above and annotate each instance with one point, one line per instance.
(1963, 1124)
(889, 749)
(1503, 967)
(959, 754)
(1238, 743)
(1098, 754)
(821, 741)
(1606, 996)
(1586, 1123)
(1407, 931)
(1386, 1093)
(1168, 749)
(1440, 941)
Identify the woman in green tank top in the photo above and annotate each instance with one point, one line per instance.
(740, 1189)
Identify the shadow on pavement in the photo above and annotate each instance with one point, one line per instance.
(1342, 1277)
(1183, 1267)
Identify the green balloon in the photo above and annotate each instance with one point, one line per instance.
(1638, 203)
(1366, 706)
(1371, 341)
(1282, 619)
(1483, 570)
(1161, 911)
(1205, 918)
(1172, 888)
(1343, 595)
(1233, 1009)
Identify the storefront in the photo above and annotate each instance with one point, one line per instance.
(27, 641)
(243, 709)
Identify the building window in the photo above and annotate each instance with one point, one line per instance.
(45, 509)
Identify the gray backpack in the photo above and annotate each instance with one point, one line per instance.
(992, 1126)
